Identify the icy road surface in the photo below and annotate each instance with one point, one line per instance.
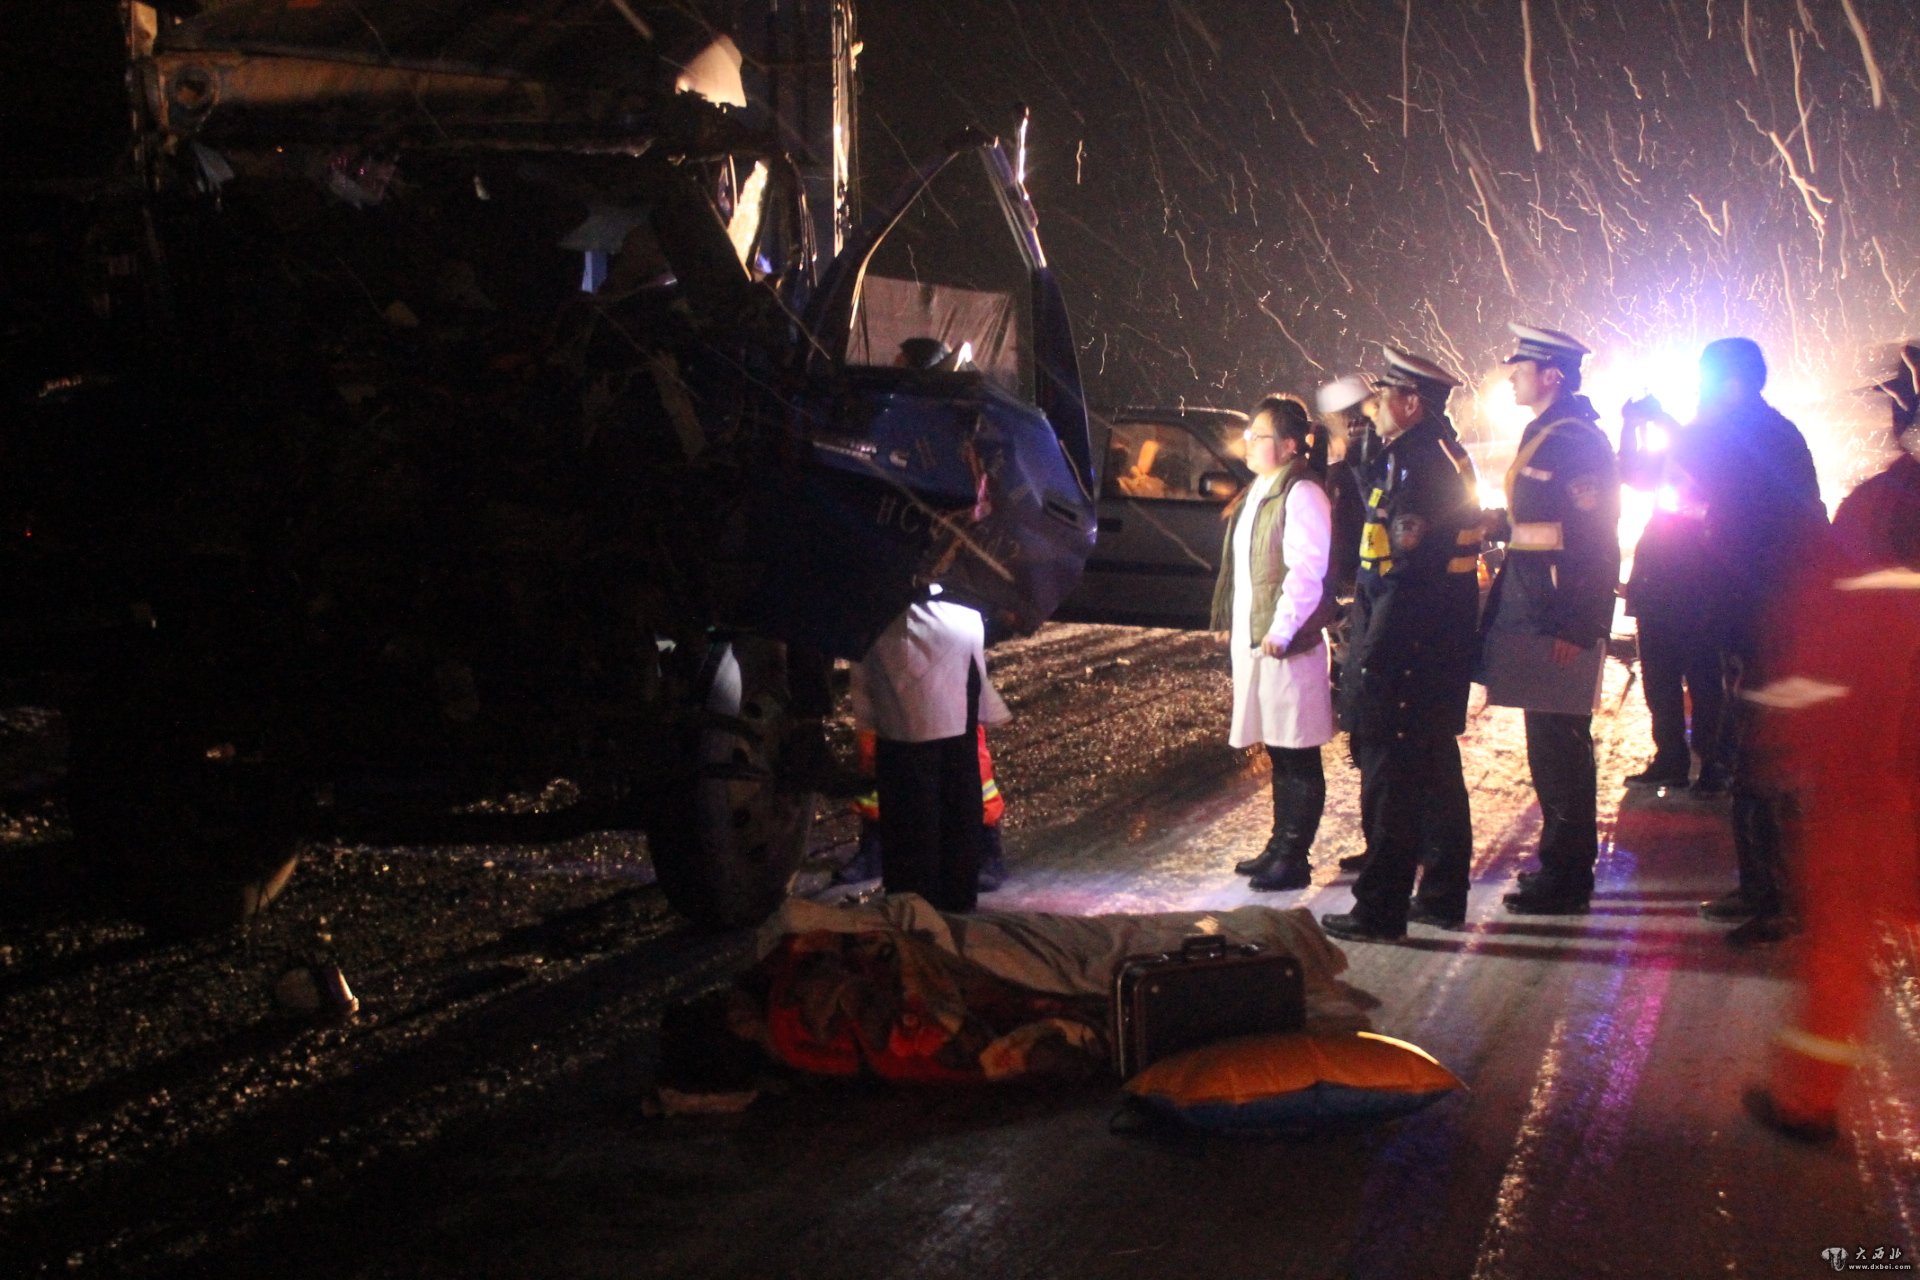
(485, 1115)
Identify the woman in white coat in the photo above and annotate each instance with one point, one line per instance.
(1274, 601)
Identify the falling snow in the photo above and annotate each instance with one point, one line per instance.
(1245, 198)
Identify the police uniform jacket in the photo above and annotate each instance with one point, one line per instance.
(1563, 535)
(1416, 598)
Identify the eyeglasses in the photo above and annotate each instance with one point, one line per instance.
(1249, 437)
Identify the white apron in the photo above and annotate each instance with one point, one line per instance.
(1281, 702)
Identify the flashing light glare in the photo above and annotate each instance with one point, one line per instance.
(1636, 512)
(965, 357)
(1670, 375)
(1493, 495)
(1655, 438)
(1667, 498)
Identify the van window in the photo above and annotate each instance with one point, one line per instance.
(1157, 460)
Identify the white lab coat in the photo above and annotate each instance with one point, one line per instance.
(912, 685)
(1282, 702)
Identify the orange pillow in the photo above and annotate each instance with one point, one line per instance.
(1293, 1083)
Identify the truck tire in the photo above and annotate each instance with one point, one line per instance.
(727, 840)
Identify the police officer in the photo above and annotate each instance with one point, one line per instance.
(1551, 609)
(1410, 659)
(1342, 405)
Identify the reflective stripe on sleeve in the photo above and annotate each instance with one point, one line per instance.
(1881, 580)
(1795, 693)
(1468, 537)
(1463, 564)
(1819, 1048)
(1537, 535)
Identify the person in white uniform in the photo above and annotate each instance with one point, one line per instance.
(924, 691)
(1274, 600)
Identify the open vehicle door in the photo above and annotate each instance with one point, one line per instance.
(977, 478)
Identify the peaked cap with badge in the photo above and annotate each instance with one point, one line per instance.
(1547, 346)
(1408, 372)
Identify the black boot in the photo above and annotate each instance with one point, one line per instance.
(1264, 860)
(1288, 872)
(993, 860)
(1299, 796)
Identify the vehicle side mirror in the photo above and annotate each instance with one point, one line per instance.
(1218, 486)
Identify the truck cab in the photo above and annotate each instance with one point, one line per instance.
(409, 402)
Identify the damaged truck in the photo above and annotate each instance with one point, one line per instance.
(410, 404)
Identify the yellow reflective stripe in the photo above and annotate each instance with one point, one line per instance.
(1525, 455)
(1374, 544)
(1881, 580)
(1537, 535)
(1469, 537)
(1839, 1052)
(989, 789)
(1463, 564)
(1378, 494)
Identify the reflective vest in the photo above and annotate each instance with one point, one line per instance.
(992, 804)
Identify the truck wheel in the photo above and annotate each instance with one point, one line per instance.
(726, 844)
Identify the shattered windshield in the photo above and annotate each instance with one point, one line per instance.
(949, 270)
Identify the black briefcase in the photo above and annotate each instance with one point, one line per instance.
(1208, 990)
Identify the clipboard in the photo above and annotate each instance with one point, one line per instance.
(1520, 672)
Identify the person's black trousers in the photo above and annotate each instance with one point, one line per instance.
(931, 814)
(1759, 836)
(1446, 838)
(1560, 757)
(1669, 658)
(1299, 797)
(1411, 795)
(930, 819)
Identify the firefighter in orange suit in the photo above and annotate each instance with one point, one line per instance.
(1842, 728)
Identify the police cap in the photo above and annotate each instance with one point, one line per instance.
(1343, 393)
(1547, 346)
(1408, 372)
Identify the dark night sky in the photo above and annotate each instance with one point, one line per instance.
(1239, 196)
